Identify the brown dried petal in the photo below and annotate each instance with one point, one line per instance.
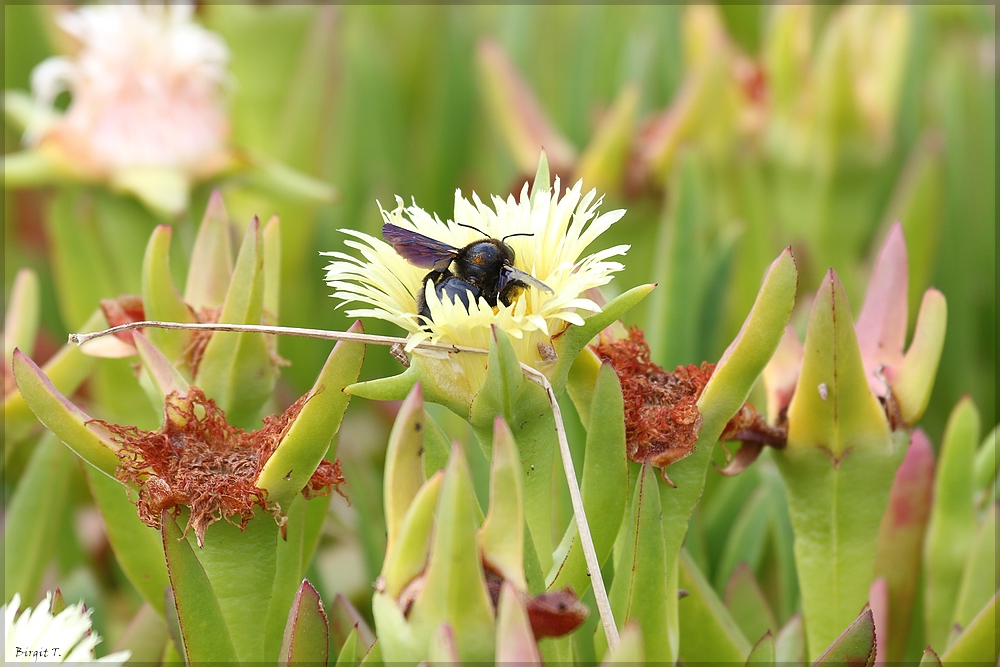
(555, 613)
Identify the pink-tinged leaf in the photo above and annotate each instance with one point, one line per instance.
(91, 442)
(521, 118)
(343, 619)
(307, 631)
(913, 378)
(878, 598)
(900, 541)
(164, 377)
(442, 649)
(782, 373)
(515, 641)
(855, 646)
(116, 312)
(881, 325)
(211, 258)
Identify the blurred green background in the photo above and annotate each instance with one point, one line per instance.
(726, 133)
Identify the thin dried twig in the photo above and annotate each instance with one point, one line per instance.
(586, 541)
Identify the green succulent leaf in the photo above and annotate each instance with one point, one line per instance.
(309, 439)
(790, 644)
(748, 605)
(913, 378)
(271, 238)
(34, 517)
(763, 652)
(211, 268)
(307, 632)
(203, 628)
(708, 631)
(639, 589)
(288, 573)
(91, 442)
(855, 646)
(160, 299)
(604, 488)
(501, 536)
(985, 467)
(978, 643)
(506, 393)
(901, 538)
(455, 589)
(979, 576)
(404, 466)
(236, 369)
(137, 547)
(348, 654)
(345, 619)
(21, 320)
(747, 540)
(838, 466)
(407, 556)
(952, 525)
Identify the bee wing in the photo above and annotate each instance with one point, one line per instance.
(509, 274)
(417, 249)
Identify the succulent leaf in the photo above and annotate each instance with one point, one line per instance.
(708, 631)
(501, 536)
(515, 641)
(307, 632)
(855, 645)
(160, 299)
(404, 466)
(912, 379)
(211, 268)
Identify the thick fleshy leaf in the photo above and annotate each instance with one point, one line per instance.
(630, 649)
(708, 632)
(952, 525)
(137, 547)
(746, 542)
(639, 590)
(34, 517)
(289, 570)
(21, 321)
(437, 449)
(348, 654)
(913, 378)
(455, 589)
(515, 641)
(307, 631)
(160, 299)
(580, 382)
(838, 466)
(404, 467)
(901, 539)
(985, 467)
(90, 441)
(160, 377)
(308, 440)
(671, 328)
(236, 369)
(979, 577)
(602, 164)
(747, 604)
(442, 650)
(407, 557)
(211, 258)
(508, 394)
(790, 645)
(344, 619)
(855, 646)
(67, 369)
(604, 487)
(575, 338)
(241, 566)
(373, 656)
(501, 537)
(878, 599)
(205, 635)
(520, 117)
(930, 658)
(145, 637)
(881, 324)
(978, 644)
(271, 238)
(763, 652)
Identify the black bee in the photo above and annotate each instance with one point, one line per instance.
(484, 268)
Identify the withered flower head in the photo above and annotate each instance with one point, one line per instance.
(200, 460)
(662, 420)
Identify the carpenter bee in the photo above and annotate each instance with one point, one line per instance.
(484, 268)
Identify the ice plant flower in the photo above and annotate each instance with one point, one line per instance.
(39, 635)
(560, 228)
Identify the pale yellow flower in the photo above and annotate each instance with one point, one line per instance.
(561, 229)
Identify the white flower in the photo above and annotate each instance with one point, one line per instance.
(561, 229)
(146, 88)
(37, 636)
